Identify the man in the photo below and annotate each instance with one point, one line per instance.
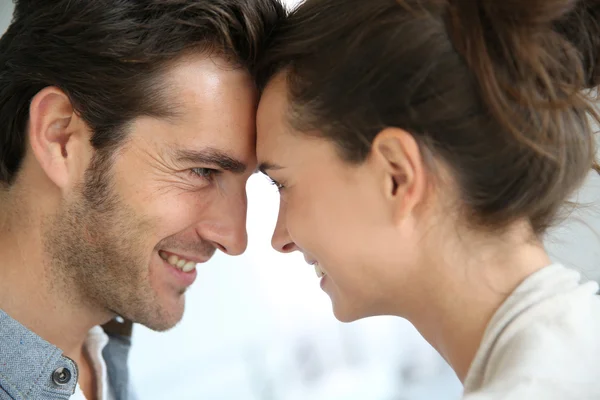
(126, 138)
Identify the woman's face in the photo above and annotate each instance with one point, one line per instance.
(342, 217)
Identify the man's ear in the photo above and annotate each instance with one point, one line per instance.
(57, 136)
(397, 156)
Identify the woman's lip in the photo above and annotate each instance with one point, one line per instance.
(318, 270)
(310, 261)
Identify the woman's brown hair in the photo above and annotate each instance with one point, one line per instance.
(499, 91)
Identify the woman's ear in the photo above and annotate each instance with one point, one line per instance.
(397, 157)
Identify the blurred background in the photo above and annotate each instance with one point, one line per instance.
(258, 327)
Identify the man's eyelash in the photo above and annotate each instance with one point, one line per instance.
(205, 173)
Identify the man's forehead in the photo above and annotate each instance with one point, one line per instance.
(189, 145)
(211, 72)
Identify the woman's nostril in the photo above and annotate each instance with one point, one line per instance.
(288, 247)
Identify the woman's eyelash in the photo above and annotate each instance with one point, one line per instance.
(278, 185)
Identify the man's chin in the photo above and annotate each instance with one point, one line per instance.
(160, 320)
(161, 325)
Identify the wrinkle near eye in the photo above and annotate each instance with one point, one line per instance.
(154, 160)
(173, 187)
(170, 179)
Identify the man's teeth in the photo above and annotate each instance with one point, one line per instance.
(319, 271)
(179, 263)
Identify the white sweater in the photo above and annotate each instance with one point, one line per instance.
(542, 344)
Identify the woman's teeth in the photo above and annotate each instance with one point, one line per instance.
(179, 263)
(320, 273)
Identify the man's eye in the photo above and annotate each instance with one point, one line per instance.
(205, 173)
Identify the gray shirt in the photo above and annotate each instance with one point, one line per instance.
(31, 368)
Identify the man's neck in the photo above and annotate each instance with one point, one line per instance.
(33, 296)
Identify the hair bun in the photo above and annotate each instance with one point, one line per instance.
(581, 27)
(530, 32)
(528, 13)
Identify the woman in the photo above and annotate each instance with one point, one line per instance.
(422, 148)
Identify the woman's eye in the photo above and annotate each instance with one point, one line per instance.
(278, 185)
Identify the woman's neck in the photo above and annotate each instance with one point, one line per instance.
(463, 287)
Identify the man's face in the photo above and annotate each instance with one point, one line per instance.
(171, 195)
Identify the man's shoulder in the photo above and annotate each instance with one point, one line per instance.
(4, 395)
(30, 367)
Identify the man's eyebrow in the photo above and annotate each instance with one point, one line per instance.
(265, 166)
(210, 157)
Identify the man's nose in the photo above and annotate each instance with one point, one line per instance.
(226, 229)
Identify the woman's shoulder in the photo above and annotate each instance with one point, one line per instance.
(544, 342)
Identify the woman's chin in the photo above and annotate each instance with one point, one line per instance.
(346, 314)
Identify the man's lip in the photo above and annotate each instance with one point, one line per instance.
(197, 260)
